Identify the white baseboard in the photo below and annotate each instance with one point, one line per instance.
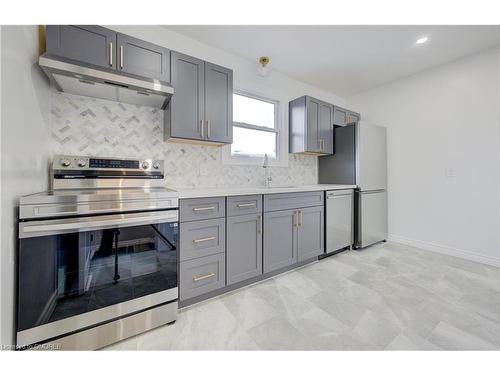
(447, 250)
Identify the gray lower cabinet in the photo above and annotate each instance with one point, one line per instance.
(311, 126)
(201, 275)
(90, 44)
(202, 238)
(310, 232)
(136, 56)
(244, 247)
(202, 107)
(202, 208)
(280, 239)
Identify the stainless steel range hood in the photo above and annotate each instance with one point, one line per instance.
(80, 79)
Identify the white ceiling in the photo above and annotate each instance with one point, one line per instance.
(346, 60)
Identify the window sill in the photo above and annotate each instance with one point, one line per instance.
(229, 159)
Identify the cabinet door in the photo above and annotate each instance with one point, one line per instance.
(90, 44)
(187, 104)
(310, 232)
(142, 58)
(339, 116)
(218, 103)
(244, 247)
(326, 128)
(352, 117)
(280, 240)
(312, 125)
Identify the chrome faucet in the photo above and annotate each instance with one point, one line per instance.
(265, 165)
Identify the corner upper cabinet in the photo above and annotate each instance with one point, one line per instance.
(311, 126)
(201, 110)
(90, 44)
(342, 116)
(138, 57)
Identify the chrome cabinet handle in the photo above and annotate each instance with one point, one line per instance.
(299, 221)
(240, 205)
(294, 219)
(200, 128)
(197, 209)
(198, 240)
(208, 128)
(121, 57)
(259, 224)
(203, 277)
(111, 53)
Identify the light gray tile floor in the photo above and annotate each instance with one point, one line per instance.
(388, 296)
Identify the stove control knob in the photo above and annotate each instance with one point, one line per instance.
(65, 162)
(156, 165)
(145, 165)
(82, 163)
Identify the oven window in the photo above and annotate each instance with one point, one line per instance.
(68, 274)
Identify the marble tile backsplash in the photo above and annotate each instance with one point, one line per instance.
(89, 126)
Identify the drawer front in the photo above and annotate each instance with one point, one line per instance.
(201, 238)
(286, 201)
(244, 204)
(202, 275)
(202, 208)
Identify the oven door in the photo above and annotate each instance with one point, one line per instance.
(77, 272)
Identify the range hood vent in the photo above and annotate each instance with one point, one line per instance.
(84, 80)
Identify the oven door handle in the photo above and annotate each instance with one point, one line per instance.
(83, 224)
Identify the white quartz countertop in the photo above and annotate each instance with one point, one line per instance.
(231, 191)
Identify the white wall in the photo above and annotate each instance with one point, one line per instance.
(447, 117)
(24, 148)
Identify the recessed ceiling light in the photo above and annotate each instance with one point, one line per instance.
(422, 40)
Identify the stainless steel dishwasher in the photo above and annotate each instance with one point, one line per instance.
(339, 219)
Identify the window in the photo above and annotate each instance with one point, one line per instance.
(255, 127)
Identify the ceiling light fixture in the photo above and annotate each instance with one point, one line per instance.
(264, 69)
(422, 40)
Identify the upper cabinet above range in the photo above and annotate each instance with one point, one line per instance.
(201, 111)
(101, 47)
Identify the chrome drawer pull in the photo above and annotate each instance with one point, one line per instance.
(199, 278)
(196, 209)
(299, 219)
(204, 239)
(240, 205)
(111, 53)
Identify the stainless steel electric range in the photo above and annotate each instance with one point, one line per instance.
(97, 258)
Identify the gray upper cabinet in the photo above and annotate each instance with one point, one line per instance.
(310, 232)
(342, 116)
(136, 56)
(325, 126)
(202, 106)
(90, 44)
(243, 247)
(184, 117)
(280, 240)
(105, 48)
(218, 103)
(311, 126)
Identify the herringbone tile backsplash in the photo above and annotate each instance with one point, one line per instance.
(88, 126)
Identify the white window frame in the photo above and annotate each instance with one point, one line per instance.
(279, 129)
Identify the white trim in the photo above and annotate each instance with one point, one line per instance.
(447, 250)
(281, 130)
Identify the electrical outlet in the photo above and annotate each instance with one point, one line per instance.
(450, 172)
